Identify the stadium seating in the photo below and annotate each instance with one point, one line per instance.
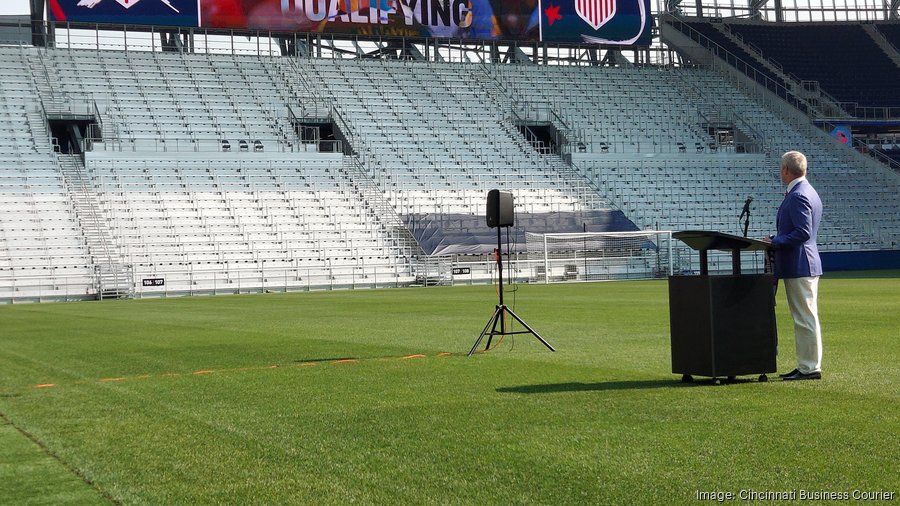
(891, 32)
(889, 146)
(681, 191)
(435, 138)
(207, 222)
(244, 219)
(738, 57)
(843, 58)
(42, 255)
(202, 181)
(428, 128)
(171, 101)
(617, 110)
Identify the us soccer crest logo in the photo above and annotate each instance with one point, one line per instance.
(608, 22)
(596, 12)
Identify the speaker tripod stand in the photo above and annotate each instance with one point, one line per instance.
(500, 312)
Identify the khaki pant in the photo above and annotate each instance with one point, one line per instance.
(803, 296)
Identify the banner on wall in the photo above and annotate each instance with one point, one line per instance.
(617, 22)
(122, 12)
(843, 134)
(468, 19)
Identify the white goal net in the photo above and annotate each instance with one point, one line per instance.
(599, 256)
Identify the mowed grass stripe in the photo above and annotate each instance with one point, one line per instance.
(601, 421)
(31, 476)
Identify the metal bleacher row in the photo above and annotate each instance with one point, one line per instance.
(616, 110)
(287, 213)
(40, 245)
(154, 98)
(426, 137)
(855, 70)
(863, 213)
(176, 207)
(435, 138)
(657, 185)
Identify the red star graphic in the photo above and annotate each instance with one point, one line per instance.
(552, 13)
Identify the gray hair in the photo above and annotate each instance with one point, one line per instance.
(795, 162)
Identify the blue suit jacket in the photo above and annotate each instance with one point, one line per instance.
(796, 253)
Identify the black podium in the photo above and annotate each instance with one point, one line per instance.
(722, 326)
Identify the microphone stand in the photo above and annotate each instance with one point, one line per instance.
(745, 214)
(746, 223)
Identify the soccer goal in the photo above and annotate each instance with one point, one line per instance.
(599, 256)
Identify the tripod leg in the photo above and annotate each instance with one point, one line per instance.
(531, 330)
(498, 318)
(493, 320)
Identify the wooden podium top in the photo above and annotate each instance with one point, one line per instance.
(704, 240)
(701, 240)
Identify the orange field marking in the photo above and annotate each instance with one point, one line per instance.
(252, 368)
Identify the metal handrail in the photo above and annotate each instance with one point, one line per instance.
(863, 148)
(747, 69)
(53, 91)
(46, 121)
(796, 80)
(783, 93)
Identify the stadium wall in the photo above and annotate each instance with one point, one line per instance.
(833, 261)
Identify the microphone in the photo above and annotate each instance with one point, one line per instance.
(746, 211)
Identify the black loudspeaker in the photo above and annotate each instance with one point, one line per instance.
(500, 209)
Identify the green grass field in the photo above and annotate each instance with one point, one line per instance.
(338, 397)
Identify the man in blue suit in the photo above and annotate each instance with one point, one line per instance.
(797, 262)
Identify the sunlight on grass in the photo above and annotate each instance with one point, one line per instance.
(367, 396)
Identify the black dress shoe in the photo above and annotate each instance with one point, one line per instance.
(785, 375)
(800, 376)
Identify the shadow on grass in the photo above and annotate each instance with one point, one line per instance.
(619, 385)
(592, 387)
